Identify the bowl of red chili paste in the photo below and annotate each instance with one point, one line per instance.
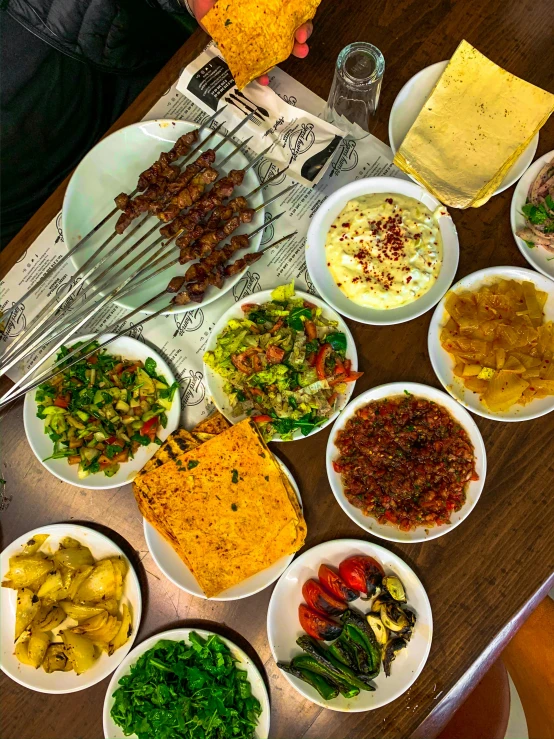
(406, 462)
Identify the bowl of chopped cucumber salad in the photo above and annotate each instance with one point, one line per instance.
(284, 358)
(98, 422)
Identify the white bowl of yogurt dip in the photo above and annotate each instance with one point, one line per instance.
(382, 250)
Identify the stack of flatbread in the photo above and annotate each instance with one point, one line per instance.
(476, 123)
(221, 500)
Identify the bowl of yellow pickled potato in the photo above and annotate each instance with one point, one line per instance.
(70, 605)
(491, 343)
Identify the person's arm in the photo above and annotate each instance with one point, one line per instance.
(199, 8)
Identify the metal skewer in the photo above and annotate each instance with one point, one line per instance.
(96, 228)
(11, 395)
(52, 308)
(38, 343)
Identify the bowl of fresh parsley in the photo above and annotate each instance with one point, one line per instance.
(187, 684)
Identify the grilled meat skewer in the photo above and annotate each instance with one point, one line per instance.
(205, 244)
(161, 169)
(154, 197)
(194, 293)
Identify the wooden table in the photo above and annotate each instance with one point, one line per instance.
(485, 576)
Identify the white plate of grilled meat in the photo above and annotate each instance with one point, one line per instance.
(182, 201)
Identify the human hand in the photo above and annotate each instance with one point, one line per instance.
(300, 49)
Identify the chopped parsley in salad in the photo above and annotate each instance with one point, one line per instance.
(102, 409)
(284, 364)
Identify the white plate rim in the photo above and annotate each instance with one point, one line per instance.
(526, 156)
(71, 529)
(168, 124)
(370, 549)
(519, 198)
(263, 296)
(179, 635)
(150, 532)
(389, 532)
(393, 185)
(173, 416)
(435, 350)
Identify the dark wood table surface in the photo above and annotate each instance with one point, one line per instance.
(484, 577)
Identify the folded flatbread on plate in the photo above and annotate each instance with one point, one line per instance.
(225, 506)
(476, 123)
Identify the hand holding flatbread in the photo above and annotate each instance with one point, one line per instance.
(255, 35)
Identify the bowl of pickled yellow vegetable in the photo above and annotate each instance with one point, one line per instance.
(491, 343)
(70, 606)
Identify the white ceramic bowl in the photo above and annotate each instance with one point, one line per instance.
(443, 362)
(321, 275)
(283, 627)
(175, 569)
(215, 382)
(539, 258)
(243, 662)
(411, 99)
(42, 446)
(113, 166)
(473, 489)
(64, 682)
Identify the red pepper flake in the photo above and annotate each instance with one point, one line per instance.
(409, 279)
(346, 225)
(389, 201)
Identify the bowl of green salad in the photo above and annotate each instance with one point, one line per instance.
(99, 421)
(284, 358)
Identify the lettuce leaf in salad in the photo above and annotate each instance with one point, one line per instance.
(283, 292)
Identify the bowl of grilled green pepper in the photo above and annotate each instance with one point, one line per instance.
(357, 615)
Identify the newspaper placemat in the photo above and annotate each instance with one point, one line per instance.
(181, 339)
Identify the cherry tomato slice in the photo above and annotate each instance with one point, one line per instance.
(317, 625)
(321, 601)
(62, 401)
(334, 584)
(322, 355)
(362, 573)
(274, 354)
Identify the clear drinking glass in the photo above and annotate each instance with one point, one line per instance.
(354, 95)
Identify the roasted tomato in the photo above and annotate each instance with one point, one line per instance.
(362, 573)
(334, 584)
(320, 600)
(317, 625)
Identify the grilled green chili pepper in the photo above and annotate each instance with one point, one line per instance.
(324, 688)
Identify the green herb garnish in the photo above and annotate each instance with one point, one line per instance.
(180, 690)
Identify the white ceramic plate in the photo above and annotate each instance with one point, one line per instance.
(539, 258)
(64, 682)
(113, 166)
(259, 691)
(443, 362)
(411, 99)
(43, 447)
(473, 489)
(283, 627)
(323, 279)
(175, 569)
(215, 382)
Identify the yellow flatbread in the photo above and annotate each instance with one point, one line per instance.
(225, 507)
(215, 424)
(477, 121)
(254, 36)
